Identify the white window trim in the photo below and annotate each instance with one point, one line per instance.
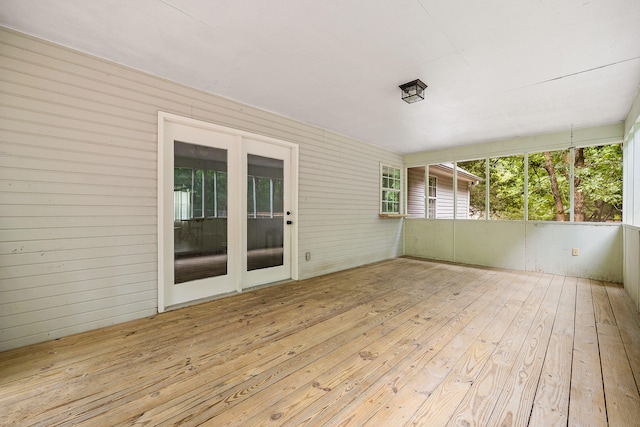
(434, 198)
(401, 191)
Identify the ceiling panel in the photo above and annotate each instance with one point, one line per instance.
(496, 69)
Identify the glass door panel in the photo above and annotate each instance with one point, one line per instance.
(269, 218)
(224, 210)
(200, 213)
(265, 212)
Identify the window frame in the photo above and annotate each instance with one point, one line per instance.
(570, 151)
(431, 198)
(386, 167)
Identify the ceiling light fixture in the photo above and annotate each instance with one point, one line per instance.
(413, 91)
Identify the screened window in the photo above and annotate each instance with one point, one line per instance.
(598, 183)
(391, 184)
(548, 186)
(433, 194)
(506, 188)
(476, 188)
(592, 174)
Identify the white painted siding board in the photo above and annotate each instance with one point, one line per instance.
(77, 211)
(88, 116)
(37, 118)
(81, 276)
(42, 164)
(97, 300)
(31, 140)
(21, 93)
(51, 328)
(78, 181)
(74, 265)
(27, 184)
(89, 137)
(26, 300)
(47, 257)
(62, 229)
(112, 225)
(18, 172)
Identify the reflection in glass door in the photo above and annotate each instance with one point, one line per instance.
(200, 212)
(265, 212)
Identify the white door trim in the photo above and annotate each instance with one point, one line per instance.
(164, 119)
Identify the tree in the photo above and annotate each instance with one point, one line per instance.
(597, 185)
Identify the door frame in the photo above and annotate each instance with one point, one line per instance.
(165, 119)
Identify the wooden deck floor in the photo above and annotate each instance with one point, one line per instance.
(401, 342)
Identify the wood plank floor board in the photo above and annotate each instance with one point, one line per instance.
(622, 397)
(586, 398)
(551, 405)
(400, 342)
(629, 332)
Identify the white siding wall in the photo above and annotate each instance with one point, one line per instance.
(462, 200)
(416, 192)
(444, 193)
(78, 231)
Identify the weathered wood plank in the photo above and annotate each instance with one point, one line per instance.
(622, 397)
(551, 405)
(586, 403)
(626, 322)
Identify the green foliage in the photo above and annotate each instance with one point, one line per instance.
(601, 183)
(599, 180)
(477, 193)
(506, 192)
(540, 198)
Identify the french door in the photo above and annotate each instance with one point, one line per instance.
(226, 201)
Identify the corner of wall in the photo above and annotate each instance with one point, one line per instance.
(633, 116)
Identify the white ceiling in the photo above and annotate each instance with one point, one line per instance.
(496, 69)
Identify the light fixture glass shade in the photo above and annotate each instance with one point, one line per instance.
(413, 91)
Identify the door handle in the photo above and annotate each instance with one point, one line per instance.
(289, 222)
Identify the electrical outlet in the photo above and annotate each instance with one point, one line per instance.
(575, 251)
(307, 256)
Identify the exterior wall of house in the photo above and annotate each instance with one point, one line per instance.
(415, 192)
(462, 206)
(78, 189)
(444, 193)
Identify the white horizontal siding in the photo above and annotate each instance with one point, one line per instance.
(416, 192)
(78, 208)
(444, 194)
